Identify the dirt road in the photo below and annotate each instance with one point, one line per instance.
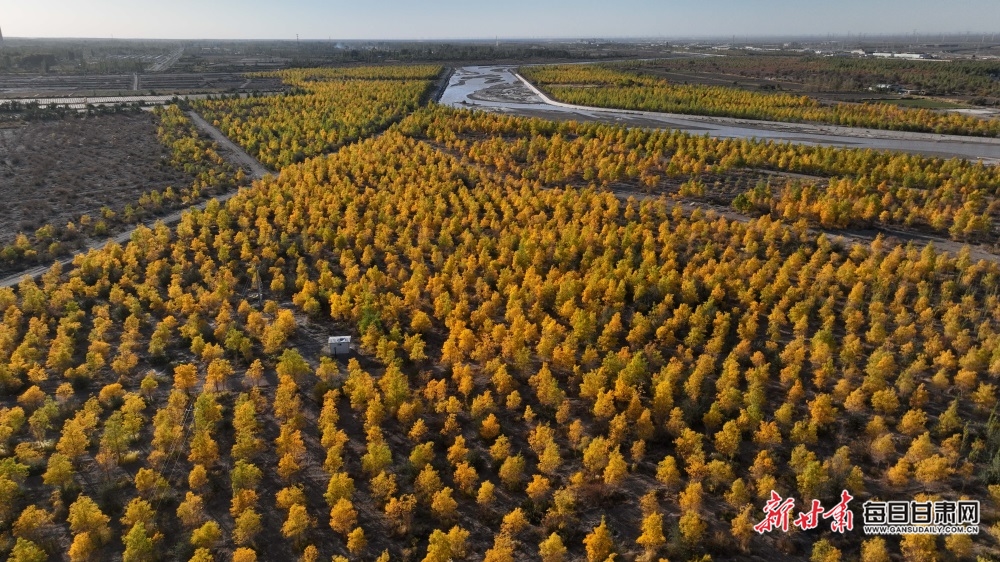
(230, 150)
(165, 62)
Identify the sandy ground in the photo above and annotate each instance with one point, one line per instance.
(227, 149)
(33, 86)
(51, 172)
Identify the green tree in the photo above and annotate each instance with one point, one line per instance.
(27, 551)
(207, 536)
(59, 472)
(297, 524)
(139, 547)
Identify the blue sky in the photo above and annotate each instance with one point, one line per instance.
(454, 19)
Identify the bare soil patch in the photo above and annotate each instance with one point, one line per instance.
(32, 85)
(52, 172)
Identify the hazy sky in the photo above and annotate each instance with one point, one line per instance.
(435, 19)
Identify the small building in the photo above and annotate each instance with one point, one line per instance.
(339, 345)
(895, 88)
(894, 55)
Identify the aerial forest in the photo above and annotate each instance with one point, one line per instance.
(554, 359)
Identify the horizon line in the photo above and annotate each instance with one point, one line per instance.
(726, 37)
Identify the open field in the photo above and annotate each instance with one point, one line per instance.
(81, 57)
(55, 171)
(139, 179)
(35, 86)
(235, 156)
(348, 102)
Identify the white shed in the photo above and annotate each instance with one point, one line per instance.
(340, 345)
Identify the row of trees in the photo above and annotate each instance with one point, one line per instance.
(853, 188)
(607, 86)
(326, 109)
(298, 76)
(844, 203)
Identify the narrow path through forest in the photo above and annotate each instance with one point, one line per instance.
(229, 150)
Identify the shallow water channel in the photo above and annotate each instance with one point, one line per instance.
(500, 89)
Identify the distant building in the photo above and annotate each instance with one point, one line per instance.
(907, 56)
(886, 88)
(339, 345)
